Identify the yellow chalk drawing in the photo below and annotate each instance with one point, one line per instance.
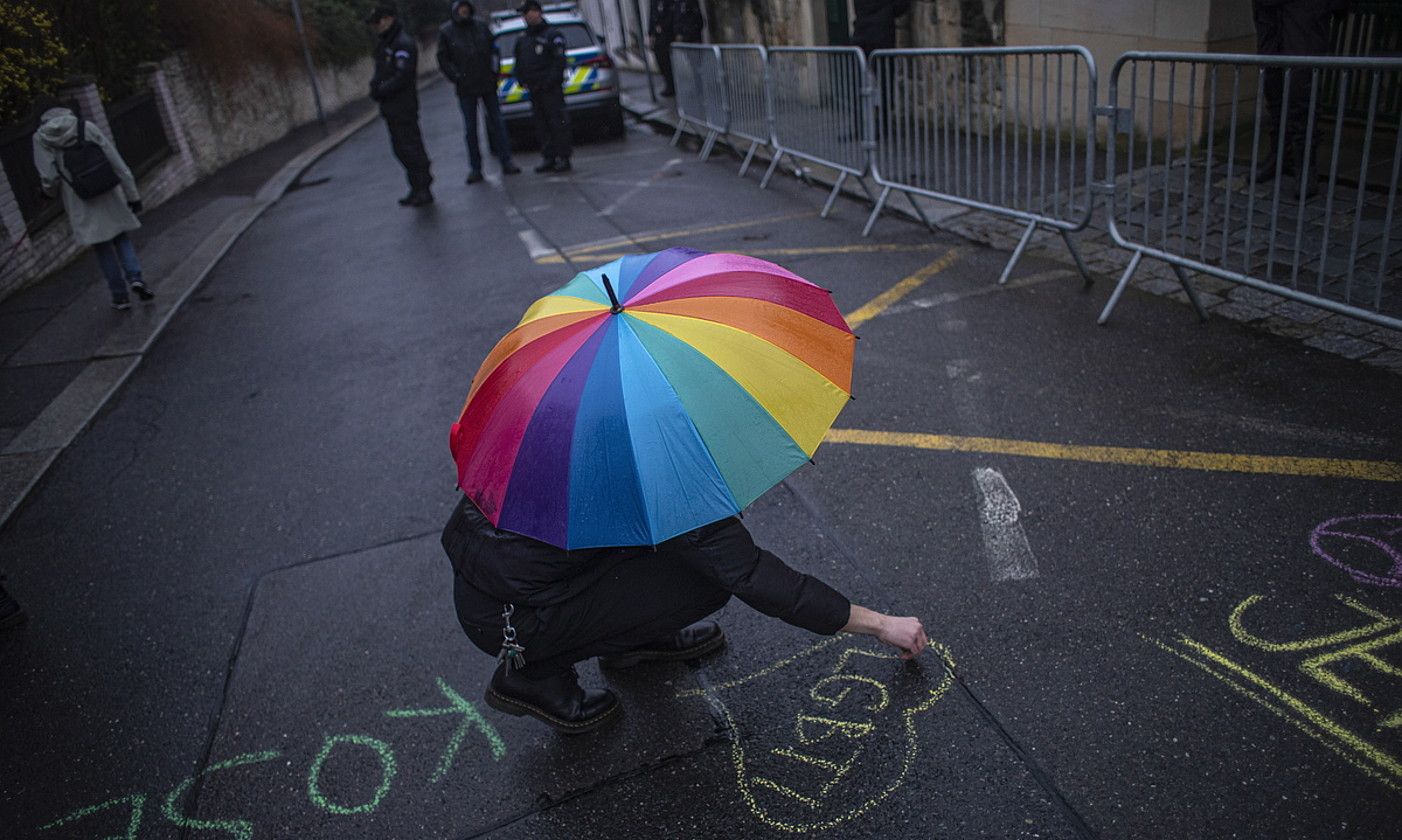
(1317, 667)
(1239, 631)
(1365, 757)
(829, 733)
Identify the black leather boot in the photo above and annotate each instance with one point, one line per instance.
(557, 701)
(691, 642)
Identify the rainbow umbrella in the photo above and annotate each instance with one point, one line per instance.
(651, 396)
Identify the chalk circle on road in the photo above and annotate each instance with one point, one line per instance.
(1368, 546)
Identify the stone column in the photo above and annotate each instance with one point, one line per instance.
(154, 77)
(82, 91)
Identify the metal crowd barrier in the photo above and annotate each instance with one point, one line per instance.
(746, 72)
(1007, 130)
(1228, 165)
(818, 104)
(700, 88)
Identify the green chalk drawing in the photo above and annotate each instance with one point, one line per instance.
(470, 718)
(138, 807)
(242, 829)
(387, 771)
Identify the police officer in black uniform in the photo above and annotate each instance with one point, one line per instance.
(670, 21)
(540, 68)
(395, 87)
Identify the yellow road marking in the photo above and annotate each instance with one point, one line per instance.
(617, 241)
(605, 256)
(879, 304)
(1170, 458)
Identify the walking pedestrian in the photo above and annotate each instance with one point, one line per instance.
(395, 87)
(540, 68)
(468, 57)
(77, 162)
(1291, 27)
(624, 605)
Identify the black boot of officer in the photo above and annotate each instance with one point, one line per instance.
(395, 87)
(540, 68)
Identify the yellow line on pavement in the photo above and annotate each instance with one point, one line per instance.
(890, 248)
(1169, 458)
(879, 304)
(616, 241)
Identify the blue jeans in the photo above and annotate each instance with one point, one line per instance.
(117, 257)
(497, 140)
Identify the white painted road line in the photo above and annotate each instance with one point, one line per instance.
(535, 244)
(1005, 544)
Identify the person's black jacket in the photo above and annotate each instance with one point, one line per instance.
(689, 21)
(874, 23)
(662, 19)
(519, 570)
(540, 56)
(395, 83)
(466, 54)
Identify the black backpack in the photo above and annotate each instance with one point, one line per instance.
(90, 173)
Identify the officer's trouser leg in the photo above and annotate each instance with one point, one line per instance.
(408, 146)
(552, 122)
(640, 600)
(662, 51)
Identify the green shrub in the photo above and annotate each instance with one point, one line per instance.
(31, 58)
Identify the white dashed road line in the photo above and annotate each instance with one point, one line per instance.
(1004, 543)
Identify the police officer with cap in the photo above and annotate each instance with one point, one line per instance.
(395, 87)
(540, 69)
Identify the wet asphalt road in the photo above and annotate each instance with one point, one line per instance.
(241, 620)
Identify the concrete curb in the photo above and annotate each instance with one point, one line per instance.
(30, 455)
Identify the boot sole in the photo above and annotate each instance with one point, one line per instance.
(628, 660)
(516, 708)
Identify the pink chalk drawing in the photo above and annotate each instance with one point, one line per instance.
(1368, 546)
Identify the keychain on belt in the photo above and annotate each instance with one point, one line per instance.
(511, 650)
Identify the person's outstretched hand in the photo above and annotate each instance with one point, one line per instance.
(905, 633)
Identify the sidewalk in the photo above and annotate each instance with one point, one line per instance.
(1316, 328)
(64, 351)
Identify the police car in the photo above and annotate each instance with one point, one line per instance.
(591, 82)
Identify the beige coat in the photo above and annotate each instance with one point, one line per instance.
(93, 220)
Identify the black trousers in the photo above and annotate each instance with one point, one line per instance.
(408, 146)
(1291, 27)
(552, 122)
(640, 600)
(662, 51)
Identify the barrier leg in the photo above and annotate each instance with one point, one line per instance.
(876, 211)
(919, 212)
(677, 135)
(749, 156)
(773, 165)
(1017, 252)
(710, 144)
(1076, 255)
(1192, 292)
(1120, 287)
(832, 196)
